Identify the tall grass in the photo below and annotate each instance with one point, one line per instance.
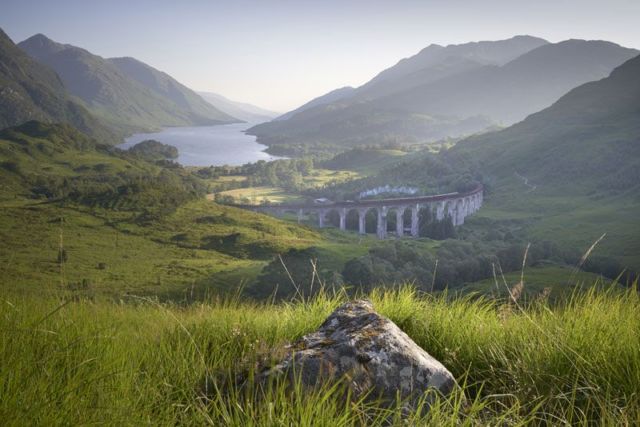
(140, 362)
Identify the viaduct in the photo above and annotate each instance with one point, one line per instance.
(455, 205)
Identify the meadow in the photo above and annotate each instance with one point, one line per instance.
(78, 361)
(201, 246)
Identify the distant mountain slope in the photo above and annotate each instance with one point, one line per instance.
(430, 64)
(149, 100)
(167, 87)
(333, 96)
(436, 62)
(523, 86)
(588, 138)
(460, 91)
(588, 141)
(240, 110)
(32, 91)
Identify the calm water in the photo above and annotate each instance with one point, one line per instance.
(209, 145)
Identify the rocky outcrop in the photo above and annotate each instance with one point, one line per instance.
(370, 353)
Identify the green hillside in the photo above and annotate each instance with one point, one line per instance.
(589, 139)
(88, 217)
(137, 99)
(573, 168)
(32, 91)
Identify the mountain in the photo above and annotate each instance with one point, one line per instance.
(589, 138)
(564, 175)
(523, 86)
(333, 96)
(241, 110)
(463, 91)
(32, 91)
(431, 63)
(162, 84)
(571, 172)
(435, 62)
(126, 93)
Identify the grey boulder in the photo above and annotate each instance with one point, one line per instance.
(370, 353)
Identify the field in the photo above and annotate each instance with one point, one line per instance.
(201, 245)
(76, 361)
(262, 194)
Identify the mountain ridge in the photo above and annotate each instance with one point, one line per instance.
(241, 110)
(329, 97)
(501, 94)
(30, 90)
(592, 131)
(125, 101)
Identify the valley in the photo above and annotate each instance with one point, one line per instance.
(457, 228)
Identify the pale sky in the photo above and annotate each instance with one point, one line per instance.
(280, 54)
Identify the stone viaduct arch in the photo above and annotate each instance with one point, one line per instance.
(455, 205)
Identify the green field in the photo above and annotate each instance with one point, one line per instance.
(262, 194)
(201, 244)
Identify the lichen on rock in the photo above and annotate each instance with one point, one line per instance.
(367, 351)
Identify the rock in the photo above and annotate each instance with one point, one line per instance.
(369, 352)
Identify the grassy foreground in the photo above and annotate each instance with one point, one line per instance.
(139, 362)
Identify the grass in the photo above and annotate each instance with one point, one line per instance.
(571, 220)
(114, 255)
(557, 279)
(75, 361)
(258, 194)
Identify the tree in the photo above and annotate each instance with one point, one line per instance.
(358, 271)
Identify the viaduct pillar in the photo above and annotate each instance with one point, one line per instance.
(400, 221)
(440, 210)
(343, 218)
(451, 212)
(362, 214)
(382, 222)
(414, 221)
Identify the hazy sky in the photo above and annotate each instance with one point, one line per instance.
(279, 54)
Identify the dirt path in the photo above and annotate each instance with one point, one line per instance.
(525, 180)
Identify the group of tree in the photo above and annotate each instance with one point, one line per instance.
(284, 173)
(153, 150)
(111, 178)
